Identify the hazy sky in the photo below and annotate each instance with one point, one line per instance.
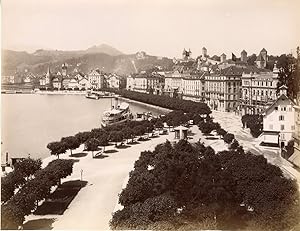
(161, 27)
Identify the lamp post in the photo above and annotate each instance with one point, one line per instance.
(81, 173)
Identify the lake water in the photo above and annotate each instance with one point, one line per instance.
(30, 122)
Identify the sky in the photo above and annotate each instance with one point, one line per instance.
(158, 27)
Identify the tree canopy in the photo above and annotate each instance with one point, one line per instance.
(71, 142)
(289, 74)
(57, 148)
(190, 186)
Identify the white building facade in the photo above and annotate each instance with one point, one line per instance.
(258, 90)
(279, 121)
(96, 79)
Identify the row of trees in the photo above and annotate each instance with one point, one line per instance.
(185, 186)
(36, 189)
(101, 137)
(22, 172)
(167, 102)
(207, 126)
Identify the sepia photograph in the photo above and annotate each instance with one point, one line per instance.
(150, 115)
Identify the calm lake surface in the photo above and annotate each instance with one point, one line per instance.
(30, 122)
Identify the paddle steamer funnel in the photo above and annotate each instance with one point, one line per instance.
(116, 102)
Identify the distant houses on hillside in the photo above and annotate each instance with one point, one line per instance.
(241, 85)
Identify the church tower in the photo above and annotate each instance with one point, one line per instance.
(48, 76)
(204, 52)
(64, 69)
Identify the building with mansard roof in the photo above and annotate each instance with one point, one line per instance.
(222, 89)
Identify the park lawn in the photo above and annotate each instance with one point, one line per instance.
(60, 199)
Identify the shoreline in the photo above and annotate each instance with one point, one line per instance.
(146, 104)
(160, 111)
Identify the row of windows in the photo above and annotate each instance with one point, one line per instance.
(281, 127)
(289, 108)
(259, 83)
(261, 92)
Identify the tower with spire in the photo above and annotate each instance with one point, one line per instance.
(48, 76)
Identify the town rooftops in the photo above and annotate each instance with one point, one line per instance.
(254, 69)
(232, 70)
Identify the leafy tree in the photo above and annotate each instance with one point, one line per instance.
(7, 187)
(92, 144)
(116, 136)
(11, 216)
(251, 59)
(23, 171)
(128, 133)
(234, 145)
(38, 188)
(83, 136)
(254, 122)
(72, 142)
(139, 130)
(206, 127)
(288, 70)
(153, 209)
(98, 132)
(176, 118)
(57, 148)
(103, 141)
(228, 191)
(228, 138)
(289, 149)
(27, 167)
(221, 132)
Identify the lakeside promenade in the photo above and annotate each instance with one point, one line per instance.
(93, 206)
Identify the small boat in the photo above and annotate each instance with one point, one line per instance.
(119, 113)
(143, 116)
(92, 95)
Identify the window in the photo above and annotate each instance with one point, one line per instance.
(271, 84)
(284, 108)
(281, 117)
(281, 127)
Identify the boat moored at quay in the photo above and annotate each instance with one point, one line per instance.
(119, 113)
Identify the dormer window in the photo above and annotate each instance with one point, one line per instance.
(276, 108)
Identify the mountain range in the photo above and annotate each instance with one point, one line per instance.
(104, 57)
